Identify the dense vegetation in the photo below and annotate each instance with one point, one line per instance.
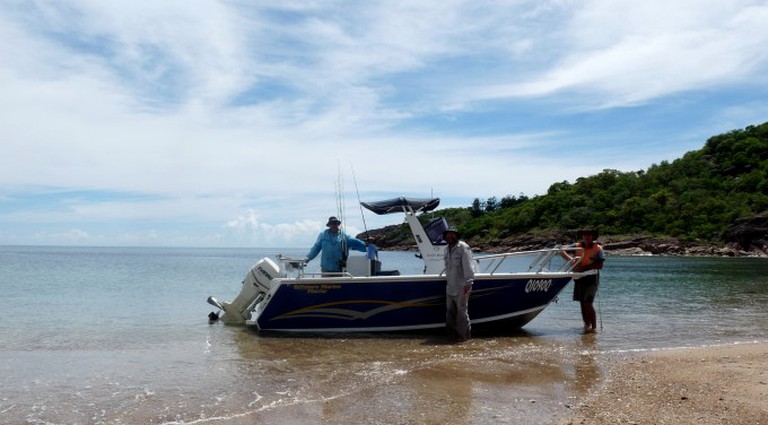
(693, 198)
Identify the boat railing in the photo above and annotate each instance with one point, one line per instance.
(327, 274)
(293, 265)
(558, 259)
(552, 260)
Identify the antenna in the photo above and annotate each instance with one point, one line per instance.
(432, 196)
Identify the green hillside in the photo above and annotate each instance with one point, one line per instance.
(693, 199)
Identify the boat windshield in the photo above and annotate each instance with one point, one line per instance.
(435, 230)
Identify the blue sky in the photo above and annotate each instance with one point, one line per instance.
(239, 123)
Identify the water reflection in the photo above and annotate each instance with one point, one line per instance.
(410, 378)
(586, 370)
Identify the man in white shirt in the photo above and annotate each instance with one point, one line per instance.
(459, 276)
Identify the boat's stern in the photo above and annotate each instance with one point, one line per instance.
(256, 285)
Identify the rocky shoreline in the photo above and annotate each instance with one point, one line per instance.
(636, 248)
(389, 239)
(642, 248)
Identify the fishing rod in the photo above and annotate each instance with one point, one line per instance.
(340, 207)
(360, 204)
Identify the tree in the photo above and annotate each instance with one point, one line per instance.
(476, 208)
(491, 204)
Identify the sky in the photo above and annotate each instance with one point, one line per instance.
(248, 123)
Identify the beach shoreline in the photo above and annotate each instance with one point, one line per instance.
(725, 384)
(709, 385)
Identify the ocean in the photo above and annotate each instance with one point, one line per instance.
(108, 335)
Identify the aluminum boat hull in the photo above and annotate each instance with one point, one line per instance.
(376, 304)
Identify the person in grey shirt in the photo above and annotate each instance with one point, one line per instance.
(459, 275)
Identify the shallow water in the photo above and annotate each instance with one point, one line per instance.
(120, 335)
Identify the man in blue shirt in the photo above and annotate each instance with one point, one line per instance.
(335, 245)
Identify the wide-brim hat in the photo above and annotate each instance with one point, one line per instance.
(451, 230)
(332, 220)
(589, 231)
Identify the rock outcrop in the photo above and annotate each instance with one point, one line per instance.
(749, 233)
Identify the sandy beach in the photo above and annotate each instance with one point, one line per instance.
(715, 385)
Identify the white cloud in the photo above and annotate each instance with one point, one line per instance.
(238, 118)
(69, 237)
(626, 52)
(262, 234)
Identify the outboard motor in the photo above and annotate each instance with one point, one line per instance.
(257, 283)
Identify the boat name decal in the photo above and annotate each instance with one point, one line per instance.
(318, 288)
(538, 285)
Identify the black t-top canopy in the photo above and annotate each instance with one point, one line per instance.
(397, 204)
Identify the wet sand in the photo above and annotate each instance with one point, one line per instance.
(715, 385)
(718, 385)
(525, 379)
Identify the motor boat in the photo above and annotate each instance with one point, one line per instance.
(509, 290)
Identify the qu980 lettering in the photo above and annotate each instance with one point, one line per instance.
(538, 285)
